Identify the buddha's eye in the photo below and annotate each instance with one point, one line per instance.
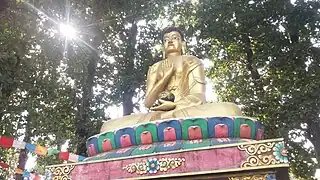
(176, 38)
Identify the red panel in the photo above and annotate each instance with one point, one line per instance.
(106, 145)
(221, 131)
(245, 131)
(125, 141)
(194, 132)
(169, 134)
(146, 137)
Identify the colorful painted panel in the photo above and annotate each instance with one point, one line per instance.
(169, 146)
(175, 130)
(259, 132)
(169, 130)
(124, 152)
(246, 156)
(205, 160)
(106, 142)
(220, 127)
(92, 146)
(125, 138)
(144, 149)
(146, 134)
(197, 143)
(196, 128)
(244, 128)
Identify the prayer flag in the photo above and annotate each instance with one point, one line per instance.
(25, 174)
(19, 144)
(40, 150)
(73, 157)
(64, 156)
(52, 152)
(19, 171)
(81, 158)
(31, 147)
(6, 142)
(4, 165)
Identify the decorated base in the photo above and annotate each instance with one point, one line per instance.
(167, 147)
(265, 159)
(181, 131)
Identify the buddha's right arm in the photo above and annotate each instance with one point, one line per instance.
(155, 85)
(150, 92)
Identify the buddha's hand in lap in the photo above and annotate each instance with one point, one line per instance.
(163, 106)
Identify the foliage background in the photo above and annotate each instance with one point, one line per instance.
(264, 56)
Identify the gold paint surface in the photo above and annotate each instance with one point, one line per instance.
(175, 89)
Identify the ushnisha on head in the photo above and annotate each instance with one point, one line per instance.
(173, 42)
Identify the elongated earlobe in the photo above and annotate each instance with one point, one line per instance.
(184, 48)
(163, 53)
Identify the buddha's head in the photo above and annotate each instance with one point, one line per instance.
(173, 42)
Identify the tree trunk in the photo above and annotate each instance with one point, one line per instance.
(127, 103)
(128, 92)
(313, 134)
(23, 156)
(84, 108)
(83, 116)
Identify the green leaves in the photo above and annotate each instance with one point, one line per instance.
(264, 55)
(261, 52)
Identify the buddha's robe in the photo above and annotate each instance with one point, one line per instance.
(187, 83)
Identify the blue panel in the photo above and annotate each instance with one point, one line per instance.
(129, 131)
(174, 124)
(212, 122)
(259, 125)
(93, 141)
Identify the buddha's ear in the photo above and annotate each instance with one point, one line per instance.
(184, 48)
(163, 52)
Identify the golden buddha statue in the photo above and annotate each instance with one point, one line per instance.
(175, 88)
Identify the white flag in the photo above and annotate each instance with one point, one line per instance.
(73, 157)
(19, 144)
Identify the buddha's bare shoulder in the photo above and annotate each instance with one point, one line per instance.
(157, 63)
(192, 60)
(155, 66)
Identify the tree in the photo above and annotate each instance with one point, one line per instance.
(33, 98)
(266, 59)
(81, 66)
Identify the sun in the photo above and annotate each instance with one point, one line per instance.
(67, 30)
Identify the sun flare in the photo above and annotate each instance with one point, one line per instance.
(67, 30)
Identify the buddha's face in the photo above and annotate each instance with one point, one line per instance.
(172, 43)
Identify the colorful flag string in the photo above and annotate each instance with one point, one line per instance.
(8, 142)
(24, 173)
